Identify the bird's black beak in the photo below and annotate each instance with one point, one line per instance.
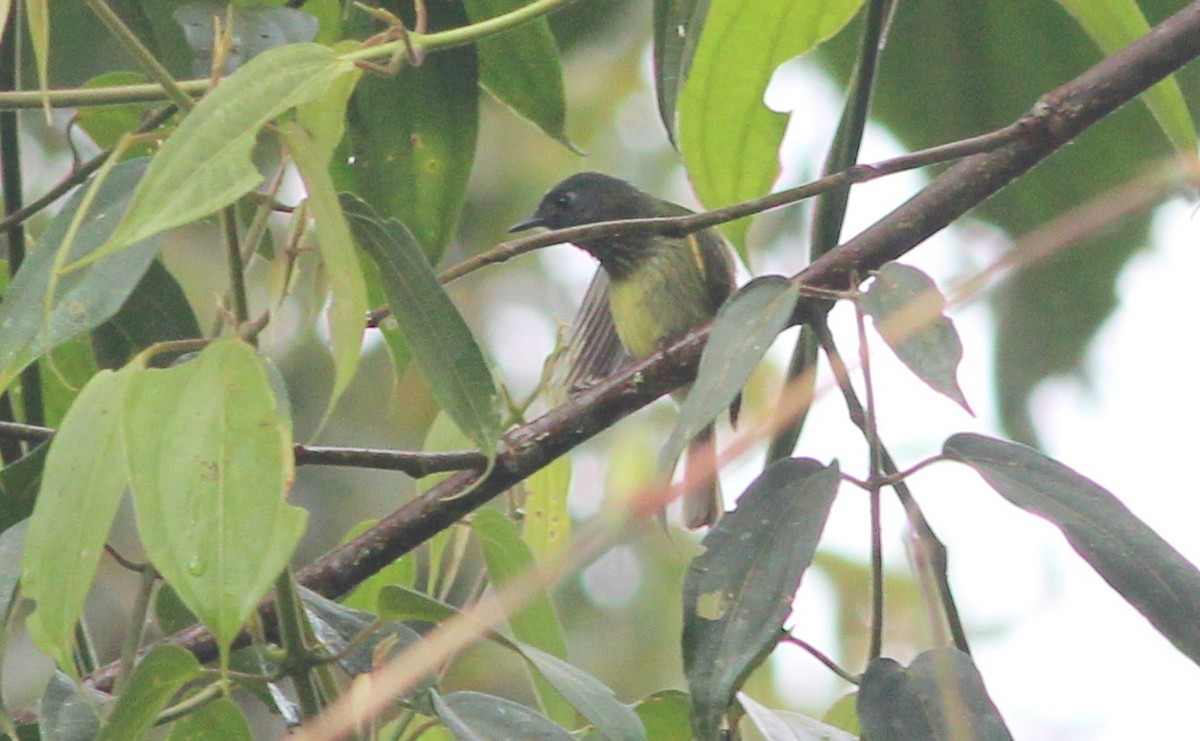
(529, 223)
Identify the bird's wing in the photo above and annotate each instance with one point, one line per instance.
(592, 350)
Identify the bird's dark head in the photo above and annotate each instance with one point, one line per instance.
(586, 198)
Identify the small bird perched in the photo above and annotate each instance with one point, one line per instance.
(658, 287)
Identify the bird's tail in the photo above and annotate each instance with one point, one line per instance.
(702, 504)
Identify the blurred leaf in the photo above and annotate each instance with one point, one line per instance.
(520, 67)
(843, 713)
(82, 299)
(1113, 25)
(666, 716)
(404, 603)
(729, 138)
(158, 676)
(19, 483)
(442, 342)
(348, 290)
(401, 572)
(908, 311)
(473, 716)
(546, 526)
(738, 593)
(941, 696)
(205, 163)
(677, 26)
(170, 612)
(743, 330)
(106, 124)
(211, 464)
(508, 558)
(65, 716)
(591, 697)
(411, 140)
(156, 311)
(220, 720)
(960, 61)
(1142, 567)
(82, 484)
(254, 30)
(782, 725)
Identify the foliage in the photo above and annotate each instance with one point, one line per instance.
(221, 265)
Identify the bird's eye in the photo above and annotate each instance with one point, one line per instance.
(565, 200)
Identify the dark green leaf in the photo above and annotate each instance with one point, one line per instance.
(156, 311)
(220, 720)
(908, 311)
(83, 482)
(782, 725)
(106, 124)
(473, 716)
(19, 485)
(677, 27)
(939, 697)
(666, 715)
(404, 603)
(520, 67)
(441, 341)
(158, 676)
(65, 716)
(741, 334)
(738, 593)
(1145, 569)
(411, 140)
(336, 626)
(172, 615)
(84, 298)
(729, 138)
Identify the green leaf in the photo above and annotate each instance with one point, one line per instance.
(65, 716)
(163, 672)
(1113, 25)
(1142, 567)
(441, 341)
(205, 164)
(12, 548)
(83, 299)
(220, 720)
(729, 138)
(254, 26)
(474, 716)
(411, 140)
(781, 725)
(677, 26)
(156, 311)
(742, 332)
(82, 484)
(520, 67)
(546, 526)
(908, 311)
(739, 591)
(507, 559)
(941, 696)
(170, 612)
(106, 124)
(404, 603)
(338, 628)
(591, 697)
(401, 572)
(348, 306)
(37, 19)
(210, 460)
(64, 371)
(666, 715)
(19, 484)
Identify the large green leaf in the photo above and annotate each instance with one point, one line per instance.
(474, 716)
(738, 593)
(546, 526)
(508, 558)
(19, 483)
(162, 673)
(1145, 569)
(210, 461)
(441, 341)
(82, 484)
(205, 164)
(520, 67)
(941, 696)
(410, 140)
(729, 138)
(80, 300)
(220, 720)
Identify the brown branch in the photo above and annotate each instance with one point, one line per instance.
(1056, 119)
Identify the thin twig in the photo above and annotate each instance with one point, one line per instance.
(817, 654)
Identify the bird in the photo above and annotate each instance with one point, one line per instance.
(658, 288)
